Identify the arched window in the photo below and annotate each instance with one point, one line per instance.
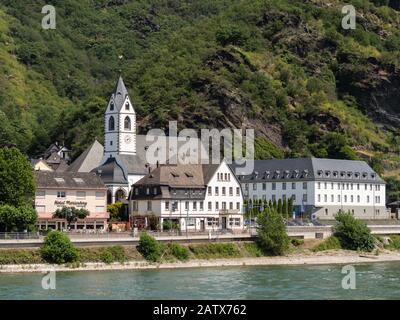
(127, 105)
(112, 106)
(111, 124)
(127, 123)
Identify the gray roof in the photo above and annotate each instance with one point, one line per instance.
(67, 180)
(89, 159)
(112, 172)
(119, 94)
(310, 169)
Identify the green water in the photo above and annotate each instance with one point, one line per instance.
(373, 281)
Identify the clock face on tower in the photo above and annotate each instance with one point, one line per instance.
(128, 139)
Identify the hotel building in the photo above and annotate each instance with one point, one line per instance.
(197, 197)
(55, 190)
(320, 188)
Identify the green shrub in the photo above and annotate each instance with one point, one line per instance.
(331, 243)
(394, 242)
(253, 249)
(118, 253)
(180, 252)
(215, 250)
(106, 256)
(297, 242)
(20, 256)
(149, 248)
(271, 231)
(58, 248)
(353, 234)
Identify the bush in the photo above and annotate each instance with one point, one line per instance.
(106, 256)
(180, 252)
(253, 249)
(215, 250)
(20, 256)
(353, 234)
(297, 242)
(394, 242)
(58, 248)
(149, 248)
(271, 231)
(331, 243)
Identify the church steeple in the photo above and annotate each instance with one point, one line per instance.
(120, 123)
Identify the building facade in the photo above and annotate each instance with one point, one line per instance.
(55, 190)
(195, 197)
(320, 188)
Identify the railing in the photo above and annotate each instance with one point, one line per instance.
(19, 235)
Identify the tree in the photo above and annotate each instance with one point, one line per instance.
(16, 178)
(284, 208)
(58, 248)
(271, 230)
(71, 214)
(18, 219)
(279, 208)
(115, 210)
(149, 247)
(290, 207)
(353, 234)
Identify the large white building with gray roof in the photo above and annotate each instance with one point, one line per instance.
(320, 188)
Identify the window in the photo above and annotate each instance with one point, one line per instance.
(230, 205)
(149, 206)
(166, 205)
(112, 106)
(326, 211)
(191, 222)
(229, 177)
(338, 198)
(127, 105)
(100, 209)
(325, 198)
(81, 195)
(246, 186)
(273, 186)
(273, 198)
(111, 124)
(147, 191)
(237, 191)
(127, 123)
(194, 205)
(201, 205)
(186, 205)
(284, 186)
(367, 199)
(223, 191)
(365, 186)
(358, 198)
(319, 198)
(293, 185)
(305, 197)
(209, 206)
(234, 222)
(209, 191)
(61, 194)
(305, 185)
(319, 185)
(40, 209)
(111, 143)
(254, 186)
(216, 191)
(338, 186)
(345, 198)
(264, 186)
(332, 187)
(213, 222)
(100, 195)
(217, 205)
(40, 194)
(134, 206)
(351, 198)
(155, 191)
(293, 197)
(78, 180)
(226, 176)
(325, 185)
(230, 191)
(237, 205)
(332, 198)
(358, 186)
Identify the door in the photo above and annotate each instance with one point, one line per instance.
(223, 222)
(202, 225)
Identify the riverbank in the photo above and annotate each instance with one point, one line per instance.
(320, 258)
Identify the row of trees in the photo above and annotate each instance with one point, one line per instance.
(17, 190)
(284, 207)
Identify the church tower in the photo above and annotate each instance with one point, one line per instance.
(120, 123)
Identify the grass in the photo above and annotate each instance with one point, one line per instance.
(214, 250)
(331, 243)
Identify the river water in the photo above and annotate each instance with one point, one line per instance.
(373, 281)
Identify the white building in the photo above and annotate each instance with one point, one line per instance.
(197, 197)
(319, 187)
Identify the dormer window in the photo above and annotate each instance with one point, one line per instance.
(319, 173)
(342, 174)
(373, 175)
(335, 173)
(127, 105)
(327, 173)
(112, 106)
(365, 175)
(357, 175)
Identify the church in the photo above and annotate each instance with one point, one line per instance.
(121, 162)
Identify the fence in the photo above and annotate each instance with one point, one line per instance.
(19, 235)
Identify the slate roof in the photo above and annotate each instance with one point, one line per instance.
(310, 169)
(112, 172)
(67, 180)
(89, 159)
(119, 94)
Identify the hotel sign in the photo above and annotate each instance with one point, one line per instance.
(59, 203)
